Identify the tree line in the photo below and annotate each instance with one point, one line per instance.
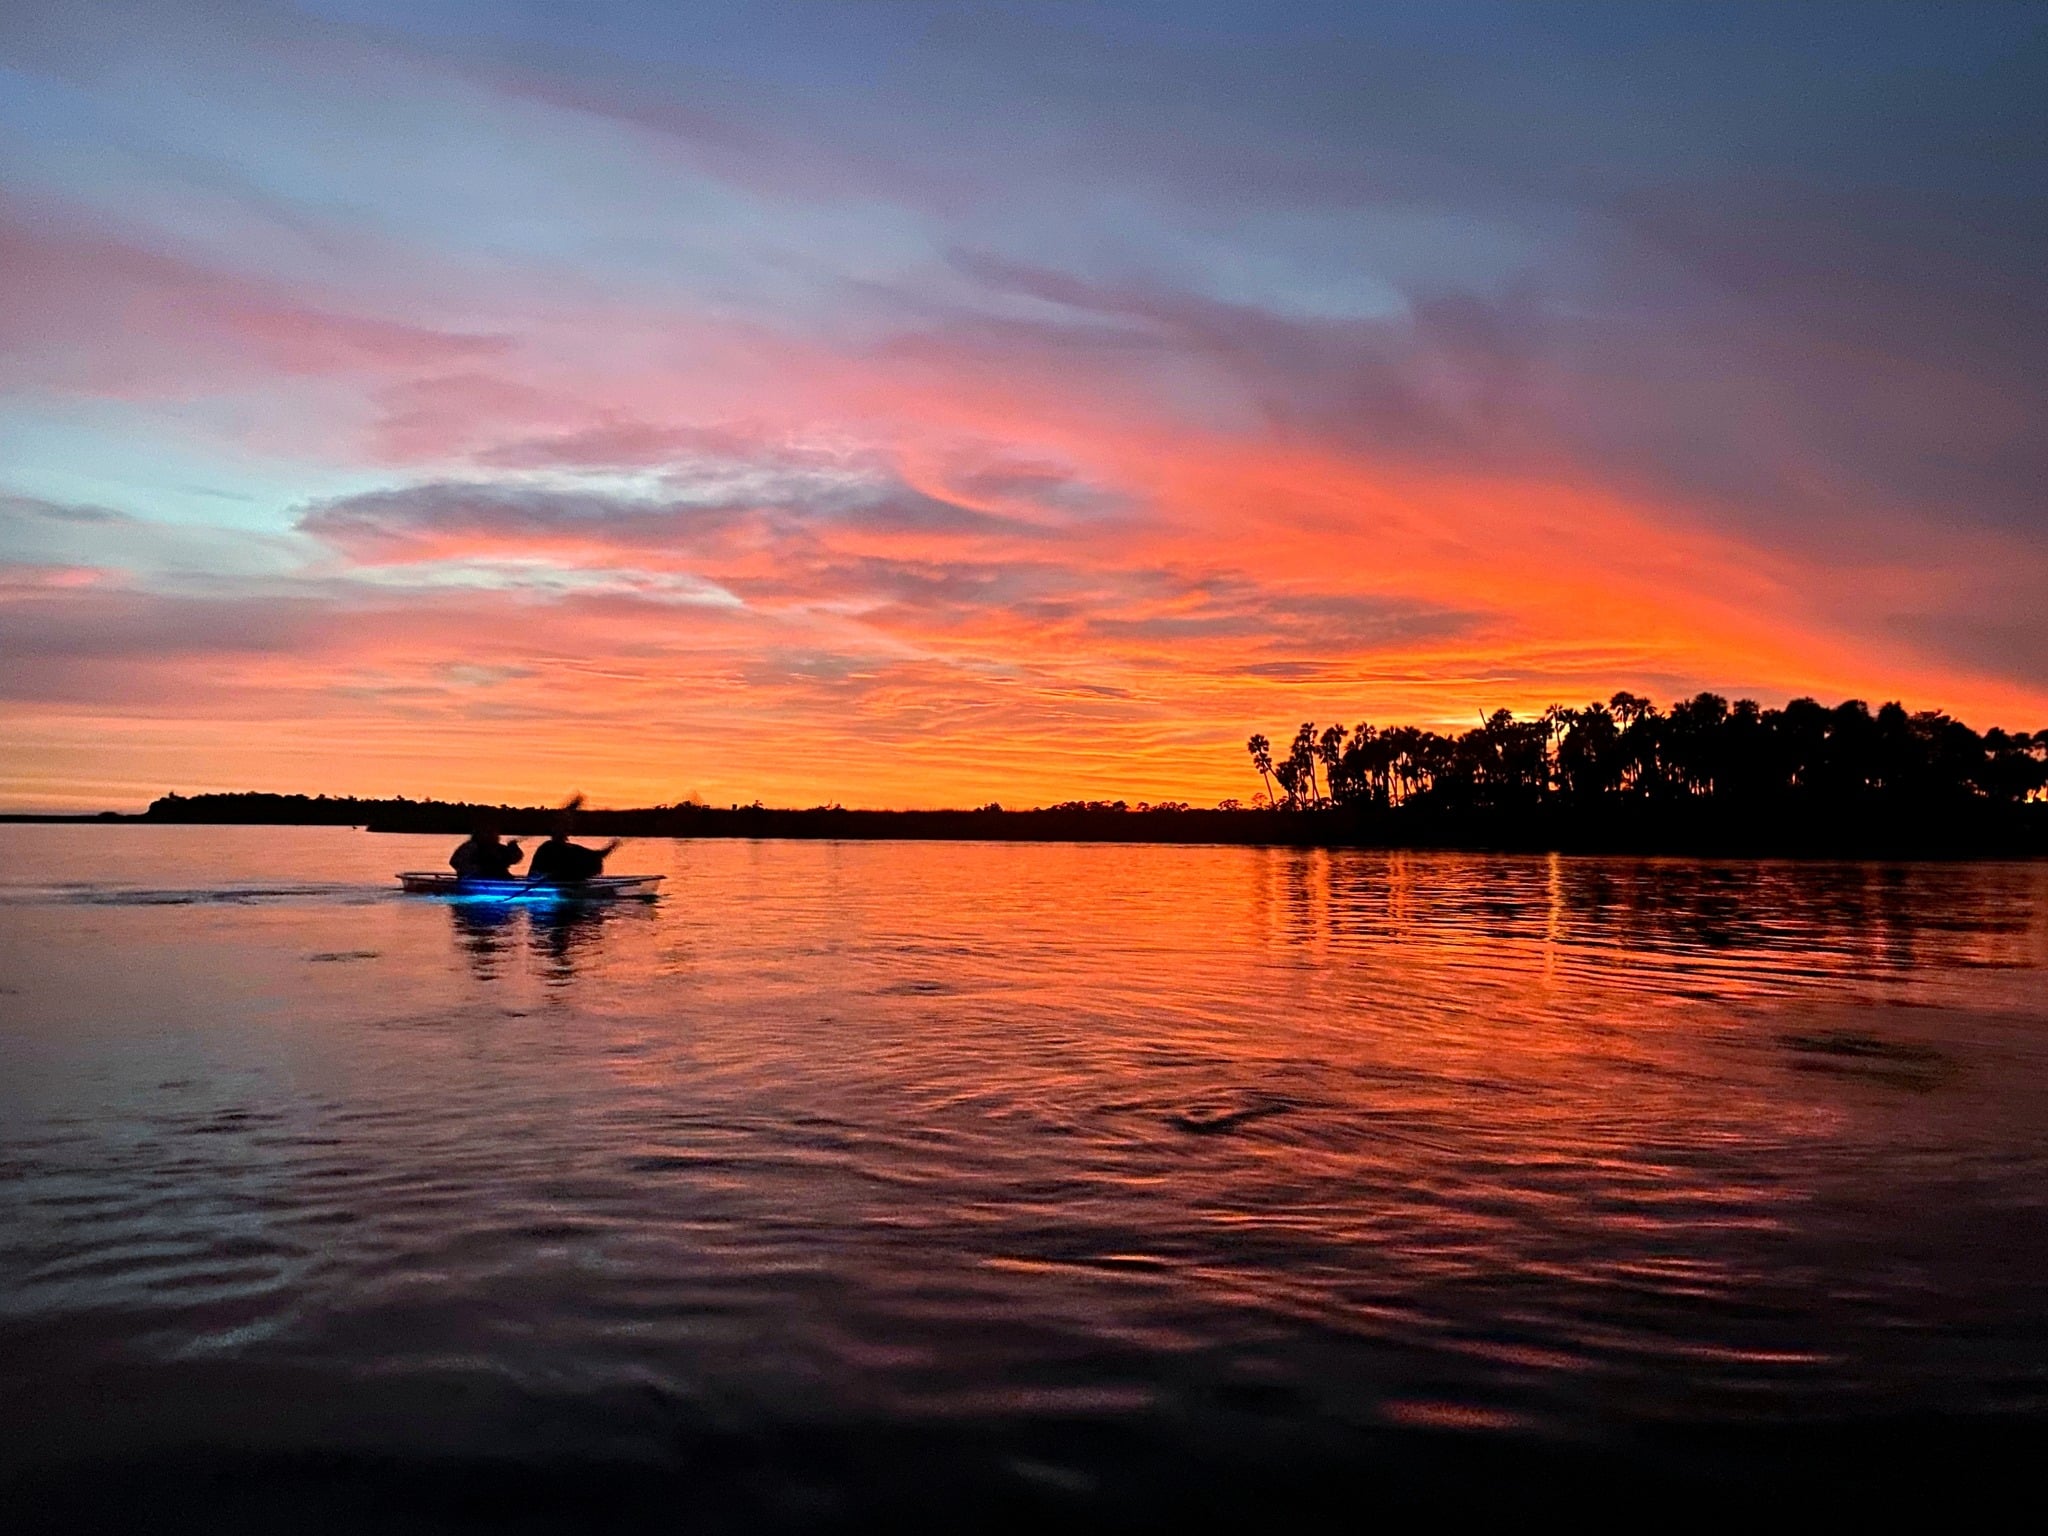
(1624, 776)
(1627, 750)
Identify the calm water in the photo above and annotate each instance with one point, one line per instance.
(951, 1178)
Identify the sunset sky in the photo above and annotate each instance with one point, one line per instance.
(920, 405)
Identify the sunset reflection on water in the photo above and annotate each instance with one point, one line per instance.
(1103, 1157)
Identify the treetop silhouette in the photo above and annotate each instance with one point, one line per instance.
(1628, 751)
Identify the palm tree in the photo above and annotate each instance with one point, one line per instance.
(1642, 769)
(1365, 761)
(1330, 748)
(1262, 759)
(1303, 756)
(1558, 719)
(1289, 775)
(1589, 757)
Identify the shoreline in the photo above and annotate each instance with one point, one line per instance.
(1864, 833)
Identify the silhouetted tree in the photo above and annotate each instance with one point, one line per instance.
(1589, 753)
(1262, 759)
(1692, 742)
(1288, 775)
(1302, 755)
(1705, 749)
(1330, 753)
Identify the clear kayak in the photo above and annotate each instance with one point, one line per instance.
(598, 888)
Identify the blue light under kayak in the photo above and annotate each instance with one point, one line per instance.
(599, 888)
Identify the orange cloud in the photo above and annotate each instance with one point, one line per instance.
(968, 561)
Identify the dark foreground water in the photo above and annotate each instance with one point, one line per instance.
(972, 1183)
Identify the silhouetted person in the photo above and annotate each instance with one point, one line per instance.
(483, 857)
(561, 862)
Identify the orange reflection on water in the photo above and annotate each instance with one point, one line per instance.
(929, 1129)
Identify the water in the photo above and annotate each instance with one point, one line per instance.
(867, 1180)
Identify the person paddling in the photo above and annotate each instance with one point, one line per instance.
(483, 857)
(561, 862)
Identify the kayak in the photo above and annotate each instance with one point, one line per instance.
(598, 888)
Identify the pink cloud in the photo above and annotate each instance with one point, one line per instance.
(91, 313)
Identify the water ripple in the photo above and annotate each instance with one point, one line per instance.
(1195, 1144)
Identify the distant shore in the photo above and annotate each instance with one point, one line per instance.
(1704, 830)
(60, 818)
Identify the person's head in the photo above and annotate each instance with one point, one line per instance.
(565, 818)
(485, 832)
